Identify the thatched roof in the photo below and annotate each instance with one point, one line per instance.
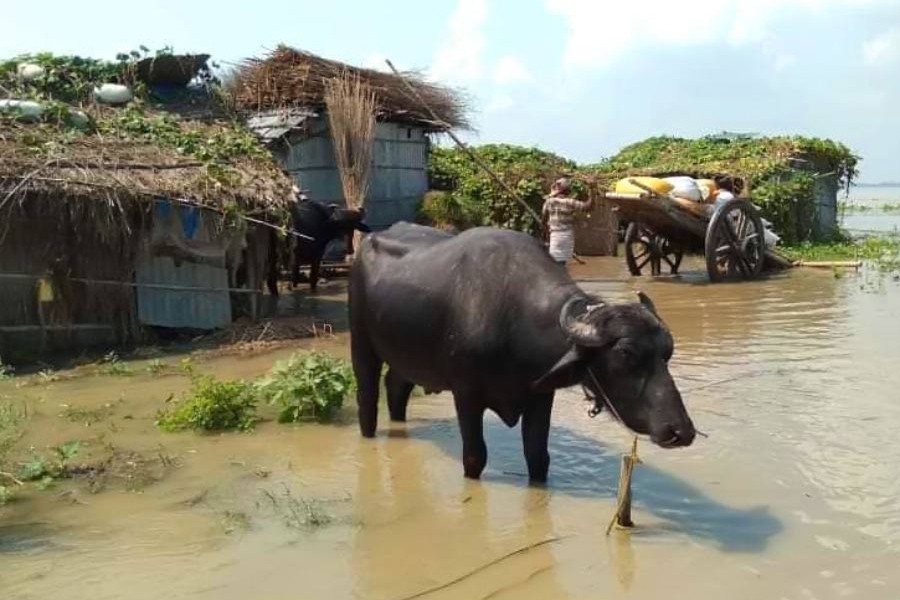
(289, 78)
(113, 164)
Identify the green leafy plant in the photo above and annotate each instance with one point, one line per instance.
(113, 365)
(789, 202)
(46, 470)
(213, 145)
(307, 387)
(69, 79)
(6, 371)
(473, 198)
(157, 367)
(211, 405)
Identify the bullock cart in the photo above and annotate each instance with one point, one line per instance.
(661, 229)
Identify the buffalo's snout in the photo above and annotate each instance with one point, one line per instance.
(675, 436)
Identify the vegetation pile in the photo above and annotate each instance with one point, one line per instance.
(782, 172)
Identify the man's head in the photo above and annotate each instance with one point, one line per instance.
(561, 186)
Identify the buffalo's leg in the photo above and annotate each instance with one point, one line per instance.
(367, 370)
(314, 273)
(535, 433)
(398, 392)
(470, 414)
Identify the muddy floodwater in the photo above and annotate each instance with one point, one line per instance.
(795, 494)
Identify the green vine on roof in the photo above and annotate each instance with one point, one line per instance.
(220, 145)
(71, 79)
(782, 172)
(757, 158)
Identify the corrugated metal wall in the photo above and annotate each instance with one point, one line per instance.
(826, 192)
(188, 309)
(399, 179)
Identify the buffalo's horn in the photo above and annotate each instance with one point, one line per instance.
(583, 334)
(647, 302)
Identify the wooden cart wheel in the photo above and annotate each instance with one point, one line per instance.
(735, 242)
(643, 247)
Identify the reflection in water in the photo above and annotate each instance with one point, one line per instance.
(621, 556)
(474, 541)
(581, 466)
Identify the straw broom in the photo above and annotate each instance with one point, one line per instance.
(351, 115)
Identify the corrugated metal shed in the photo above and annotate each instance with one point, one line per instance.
(399, 178)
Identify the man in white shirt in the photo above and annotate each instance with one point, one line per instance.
(558, 213)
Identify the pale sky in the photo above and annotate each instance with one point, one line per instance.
(578, 77)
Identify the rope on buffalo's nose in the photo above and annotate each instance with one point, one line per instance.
(596, 407)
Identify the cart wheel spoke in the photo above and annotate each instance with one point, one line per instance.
(734, 241)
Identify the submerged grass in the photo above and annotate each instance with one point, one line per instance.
(883, 251)
(12, 421)
(887, 208)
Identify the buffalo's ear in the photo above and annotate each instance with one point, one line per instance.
(569, 370)
(363, 227)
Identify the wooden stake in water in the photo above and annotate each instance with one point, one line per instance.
(623, 503)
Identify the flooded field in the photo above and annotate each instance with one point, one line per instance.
(795, 494)
(867, 214)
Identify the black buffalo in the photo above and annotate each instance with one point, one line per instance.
(323, 224)
(488, 315)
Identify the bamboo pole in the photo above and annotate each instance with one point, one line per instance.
(828, 264)
(462, 146)
(622, 518)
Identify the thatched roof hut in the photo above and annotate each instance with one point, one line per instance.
(282, 97)
(44, 160)
(113, 220)
(290, 78)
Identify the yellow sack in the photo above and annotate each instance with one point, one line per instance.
(624, 186)
(45, 290)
